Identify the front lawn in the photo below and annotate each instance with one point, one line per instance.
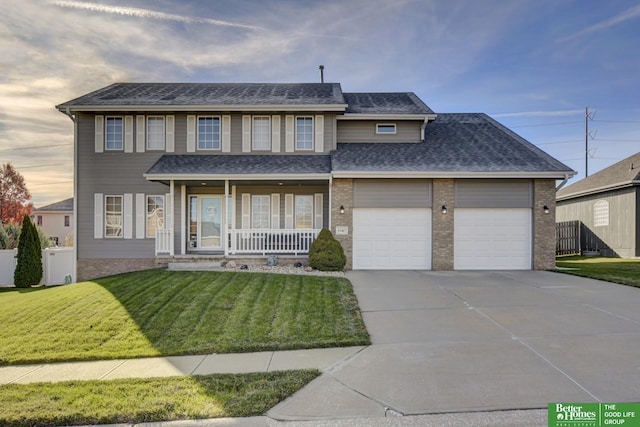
(616, 270)
(159, 312)
(147, 400)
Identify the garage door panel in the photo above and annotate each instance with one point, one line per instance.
(487, 239)
(390, 239)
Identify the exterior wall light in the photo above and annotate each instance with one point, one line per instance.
(341, 209)
(545, 208)
(444, 209)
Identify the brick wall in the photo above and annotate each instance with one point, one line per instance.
(544, 225)
(443, 194)
(94, 268)
(342, 195)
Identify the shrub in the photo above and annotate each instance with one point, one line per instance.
(12, 231)
(29, 267)
(4, 239)
(326, 253)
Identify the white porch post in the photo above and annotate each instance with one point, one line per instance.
(173, 211)
(330, 200)
(225, 226)
(183, 219)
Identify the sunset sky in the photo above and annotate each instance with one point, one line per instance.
(532, 65)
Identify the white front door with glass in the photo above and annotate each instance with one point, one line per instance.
(205, 222)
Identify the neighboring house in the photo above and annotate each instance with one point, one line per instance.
(607, 204)
(227, 170)
(56, 220)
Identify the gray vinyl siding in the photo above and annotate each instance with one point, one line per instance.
(110, 173)
(392, 193)
(365, 131)
(494, 193)
(308, 190)
(621, 235)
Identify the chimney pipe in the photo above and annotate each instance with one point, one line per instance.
(321, 73)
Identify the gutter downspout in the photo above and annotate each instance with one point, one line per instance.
(564, 181)
(74, 119)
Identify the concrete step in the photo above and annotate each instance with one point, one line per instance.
(194, 266)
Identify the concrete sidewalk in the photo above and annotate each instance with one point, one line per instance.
(266, 361)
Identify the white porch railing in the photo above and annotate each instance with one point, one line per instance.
(163, 242)
(281, 241)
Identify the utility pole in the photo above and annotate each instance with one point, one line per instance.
(587, 116)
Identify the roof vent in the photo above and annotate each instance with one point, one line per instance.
(321, 67)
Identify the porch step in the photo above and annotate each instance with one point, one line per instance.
(194, 266)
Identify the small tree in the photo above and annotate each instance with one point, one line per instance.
(12, 231)
(14, 195)
(326, 253)
(29, 267)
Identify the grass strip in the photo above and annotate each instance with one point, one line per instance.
(616, 270)
(147, 400)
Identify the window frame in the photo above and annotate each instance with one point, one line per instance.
(106, 215)
(296, 214)
(148, 133)
(312, 133)
(107, 132)
(254, 211)
(219, 141)
(146, 216)
(388, 125)
(267, 119)
(67, 220)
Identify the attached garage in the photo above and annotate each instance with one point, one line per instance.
(392, 224)
(493, 225)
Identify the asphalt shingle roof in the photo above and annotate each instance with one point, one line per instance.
(61, 206)
(385, 103)
(625, 172)
(453, 143)
(185, 94)
(177, 164)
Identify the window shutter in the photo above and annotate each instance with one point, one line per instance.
(191, 134)
(246, 134)
(289, 133)
(246, 211)
(318, 210)
(170, 133)
(98, 215)
(319, 136)
(141, 216)
(128, 134)
(140, 132)
(288, 211)
(127, 223)
(226, 134)
(99, 134)
(275, 211)
(275, 134)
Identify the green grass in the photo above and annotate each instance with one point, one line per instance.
(147, 400)
(160, 312)
(616, 270)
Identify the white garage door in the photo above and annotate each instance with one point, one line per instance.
(492, 239)
(391, 239)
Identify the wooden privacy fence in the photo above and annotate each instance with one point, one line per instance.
(568, 236)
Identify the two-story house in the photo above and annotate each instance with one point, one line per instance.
(56, 220)
(177, 170)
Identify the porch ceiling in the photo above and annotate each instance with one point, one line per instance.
(265, 182)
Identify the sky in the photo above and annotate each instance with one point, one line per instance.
(535, 66)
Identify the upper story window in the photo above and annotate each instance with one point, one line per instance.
(155, 133)
(601, 213)
(208, 133)
(304, 133)
(114, 133)
(386, 128)
(113, 216)
(261, 133)
(39, 220)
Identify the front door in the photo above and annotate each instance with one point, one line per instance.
(206, 221)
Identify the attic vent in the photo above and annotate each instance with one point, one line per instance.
(168, 98)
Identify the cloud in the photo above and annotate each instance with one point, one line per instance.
(628, 14)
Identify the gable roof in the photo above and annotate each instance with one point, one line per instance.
(229, 96)
(61, 206)
(454, 145)
(385, 103)
(625, 173)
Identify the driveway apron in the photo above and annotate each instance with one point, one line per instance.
(480, 341)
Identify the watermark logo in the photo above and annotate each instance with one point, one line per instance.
(594, 414)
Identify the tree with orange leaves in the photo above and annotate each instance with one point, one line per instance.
(14, 196)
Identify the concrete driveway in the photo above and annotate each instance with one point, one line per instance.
(480, 341)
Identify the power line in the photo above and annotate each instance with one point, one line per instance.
(49, 183)
(617, 121)
(560, 142)
(42, 166)
(38, 146)
(547, 124)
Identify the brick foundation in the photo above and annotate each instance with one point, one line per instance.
(93, 268)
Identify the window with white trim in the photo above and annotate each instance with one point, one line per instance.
(113, 216)
(155, 133)
(303, 212)
(113, 133)
(260, 211)
(208, 133)
(155, 214)
(304, 133)
(601, 213)
(261, 133)
(386, 128)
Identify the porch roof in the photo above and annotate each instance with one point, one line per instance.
(188, 166)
